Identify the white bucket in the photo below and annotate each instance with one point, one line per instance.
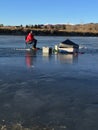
(47, 50)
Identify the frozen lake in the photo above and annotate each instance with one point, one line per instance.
(50, 91)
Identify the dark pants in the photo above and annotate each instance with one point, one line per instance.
(31, 42)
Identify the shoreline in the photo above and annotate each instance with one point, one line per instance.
(46, 32)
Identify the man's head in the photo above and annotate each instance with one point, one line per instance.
(31, 32)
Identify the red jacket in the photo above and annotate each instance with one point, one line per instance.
(29, 37)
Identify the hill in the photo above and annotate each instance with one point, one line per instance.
(90, 29)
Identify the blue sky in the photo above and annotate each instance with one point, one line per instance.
(31, 12)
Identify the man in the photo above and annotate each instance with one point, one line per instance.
(30, 39)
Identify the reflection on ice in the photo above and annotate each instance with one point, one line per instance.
(67, 58)
(46, 56)
(29, 58)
